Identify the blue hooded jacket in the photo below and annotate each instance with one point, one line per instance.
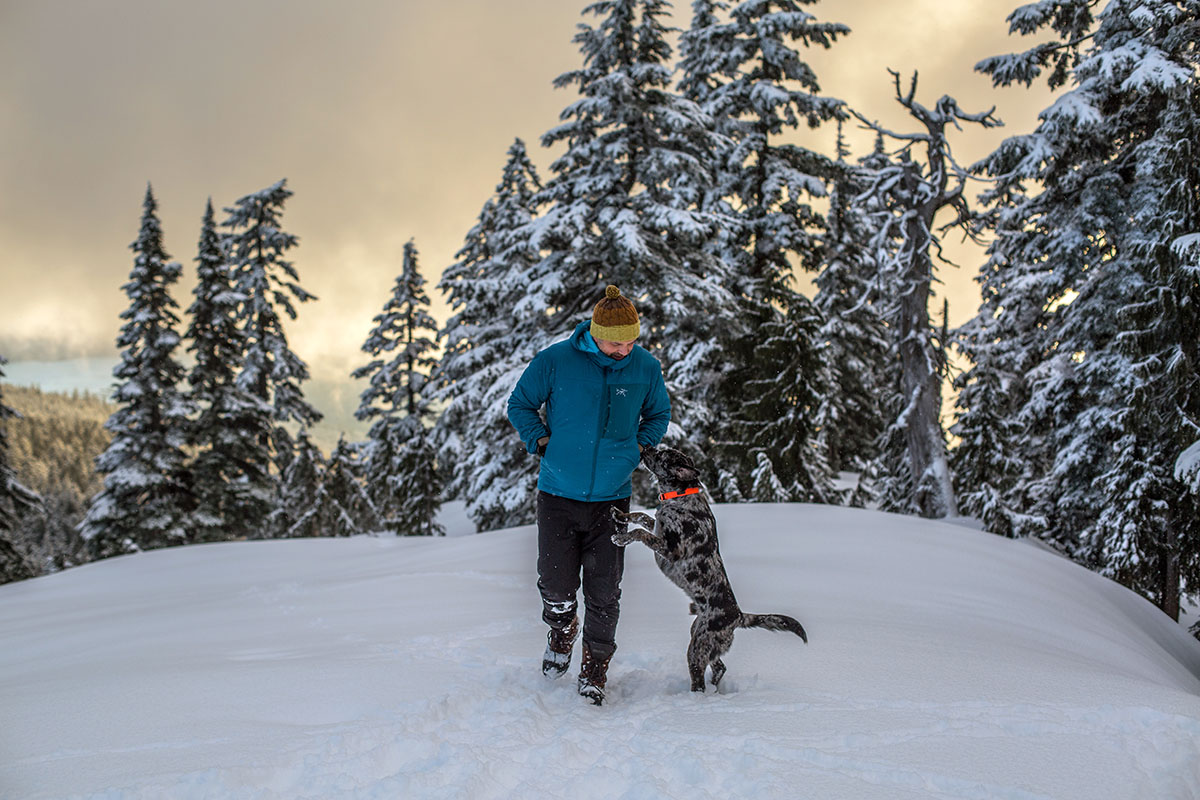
(598, 410)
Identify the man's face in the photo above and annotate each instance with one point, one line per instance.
(617, 350)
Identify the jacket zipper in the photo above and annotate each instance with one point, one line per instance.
(599, 430)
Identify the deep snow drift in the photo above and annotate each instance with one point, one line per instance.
(944, 663)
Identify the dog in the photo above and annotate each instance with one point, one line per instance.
(684, 541)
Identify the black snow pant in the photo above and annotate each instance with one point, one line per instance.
(575, 535)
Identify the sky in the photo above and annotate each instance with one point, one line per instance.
(389, 119)
(942, 663)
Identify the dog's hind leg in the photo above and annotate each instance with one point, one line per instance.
(718, 671)
(696, 668)
(700, 653)
(722, 641)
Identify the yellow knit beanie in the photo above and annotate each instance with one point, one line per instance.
(614, 319)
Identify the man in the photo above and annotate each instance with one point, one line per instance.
(604, 400)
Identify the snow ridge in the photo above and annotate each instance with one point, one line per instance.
(944, 663)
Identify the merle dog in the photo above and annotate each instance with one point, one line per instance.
(684, 541)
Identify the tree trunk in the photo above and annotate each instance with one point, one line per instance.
(1168, 592)
(921, 375)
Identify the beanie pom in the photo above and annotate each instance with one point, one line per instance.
(612, 292)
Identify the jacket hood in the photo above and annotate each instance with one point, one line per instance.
(582, 340)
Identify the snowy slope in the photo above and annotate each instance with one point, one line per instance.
(944, 663)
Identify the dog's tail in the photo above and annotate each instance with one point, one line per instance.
(774, 622)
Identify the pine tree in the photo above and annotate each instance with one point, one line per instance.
(1024, 294)
(1148, 535)
(231, 422)
(705, 58)
(1106, 249)
(911, 194)
(1004, 449)
(402, 475)
(342, 507)
(409, 495)
(779, 414)
(296, 513)
(987, 462)
(145, 502)
(492, 334)
(15, 501)
(621, 205)
(854, 335)
(255, 247)
(753, 82)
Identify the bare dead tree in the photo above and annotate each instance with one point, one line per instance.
(910, 192)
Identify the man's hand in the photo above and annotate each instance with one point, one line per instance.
(541, 445)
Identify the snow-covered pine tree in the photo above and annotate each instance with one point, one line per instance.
(621, 205)
(1025, 284)
(488, 341)
(1149, 535)
(230, 422)
(706, 62)
(342, 507)
(402, 451)
(1111, 239)
(706, 59)
(145, 502)
(911, 194)
(295, 515)
(255, 247)
(777, 420)
(854, 335)
(15, 501)
(750, 78)
(1002, 451)
(401, 462)
(986, 462)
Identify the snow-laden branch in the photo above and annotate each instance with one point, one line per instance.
(1187, 467)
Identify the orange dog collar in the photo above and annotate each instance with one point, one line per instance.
(673, 495)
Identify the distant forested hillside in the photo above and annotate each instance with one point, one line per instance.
(53, 447)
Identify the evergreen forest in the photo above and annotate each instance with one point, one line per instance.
(684, 172)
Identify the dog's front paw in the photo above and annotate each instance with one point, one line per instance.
(623, 538)
(618, 515)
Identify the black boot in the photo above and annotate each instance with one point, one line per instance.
(593, 674)
(559, 642)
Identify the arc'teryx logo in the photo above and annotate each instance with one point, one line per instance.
(622, 392)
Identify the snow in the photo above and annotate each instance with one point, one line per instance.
(1155, 72)
(944, 663)
(1187, 247)
(1187, 466)
(1073, 108)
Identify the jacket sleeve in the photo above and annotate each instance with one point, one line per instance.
(656, 413)
(529, 395)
